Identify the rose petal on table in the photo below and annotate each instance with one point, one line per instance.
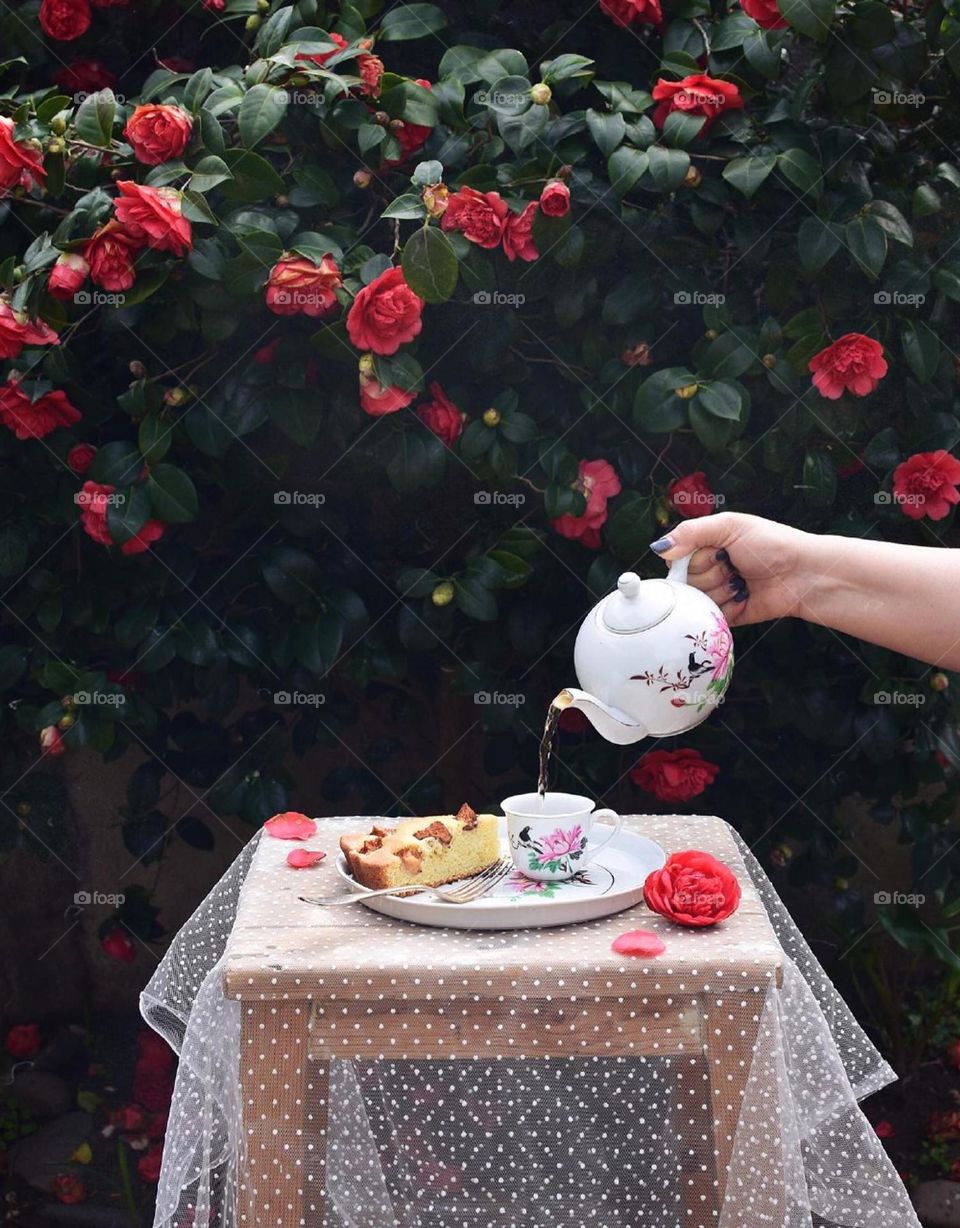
(290, 825)
(301, 859)
(638, 942)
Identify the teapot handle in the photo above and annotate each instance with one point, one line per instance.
(678, 569)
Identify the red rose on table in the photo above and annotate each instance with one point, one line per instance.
(691, 495)
(158, 132)
(118, 944)
(18, 330)
(65, 19)
(109, 253)
(674, 775)
(555, 199)
(479, 216)
(598, 482)
(926, 485)
(297, 285)
(23, 1040)
(67, 276)
(34, 419)
(441, 416)
(84, 77)
(765, 13)
(518, 241)
(692, 888)
(153, 216)
(854, 363)
(19, 163)
(626, 12)
(377, 400)
(385, 314)
(697, 95)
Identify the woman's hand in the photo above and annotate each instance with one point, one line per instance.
(754, 569)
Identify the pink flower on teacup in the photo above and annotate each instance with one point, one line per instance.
(561, 844)
(720, 646)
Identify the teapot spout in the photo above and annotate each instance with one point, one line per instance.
(610, 723)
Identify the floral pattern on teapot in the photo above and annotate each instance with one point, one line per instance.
(710, 658)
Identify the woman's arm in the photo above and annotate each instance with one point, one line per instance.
(906, 598)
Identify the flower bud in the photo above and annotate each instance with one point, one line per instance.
(23, 809)
(841, 884)
(67, 721)
(177, 396)
(939, 681)
(711, 334)
(59, 124)
(396, 125)
(281, 201)
(638, 355)
(252, 23)
(366, 365)
(769, 361)
(693, 178)
(381, 117)
(662, 513)
(137, 368)
(443, 593)
(435, 197)
(55, 145)
(263, 6)
(362, 179)
(688, 391)
(780, 855)
(491, 417)
(66, 701)
(541, 93)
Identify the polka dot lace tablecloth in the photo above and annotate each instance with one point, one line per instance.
(340, 1069)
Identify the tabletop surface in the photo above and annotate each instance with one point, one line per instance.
(281, 948)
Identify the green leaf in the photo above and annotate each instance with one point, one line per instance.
(173, 496)
(748, 174)
(624, 168)
(607, 129)
(253, 177)
(867, 241)
(13, 551)
(817, 241)
(154, 438)
(127, 513)
(208, 173)
(94, 118)
(430, 265)
(411, 102)
(115, 464)
(801, 169)
(721, 399)
(418, 460)
(819, 484)
(408, 21)
(565, 67)
(680, 128)
(892, 221)
(656, 406)
(811, 17)
(261, 111)
(668, 167)
(475, 599)
(921, 348)
(727, 357)
(407, 208)
(630, 527)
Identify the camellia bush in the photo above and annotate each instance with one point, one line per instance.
(353, 351)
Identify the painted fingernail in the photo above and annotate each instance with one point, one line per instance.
(742, 596)
(736, 582)
(662, 544)
(722, 557)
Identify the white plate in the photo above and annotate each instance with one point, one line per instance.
(610, 884)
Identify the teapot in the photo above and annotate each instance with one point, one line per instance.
(654, 658)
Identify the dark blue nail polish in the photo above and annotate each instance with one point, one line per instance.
(722, 557)
(742, 596)
(661, 544)
(735, 582)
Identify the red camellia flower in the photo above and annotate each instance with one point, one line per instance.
(93, 500)
(297, 284)
(153, 216)
(119, 945)
(691, 495)
(385, 314)
(84, 77)
(854, 363)
(479, 216)
(148, 1166)
(303, 859)
(129, 1118)
(765, 13)
(697, 95)
(109, 253)
(321, 57)
(555, 199)
(673, 775)
(441, 416)
(518, 241)
(368, 67)
(626, 12)
(34, 419)
(926, 485)
(65, 19)
(953, 1053)
(144, 538)
(17, 331)
(598, 482)
(692, 888)
(411, 136)
(884, 1129)
(290, 825)
(153, 1074)
(158, 132)
(19, 164)
(67, 276)
(23, 1040)
(69, 1189)
(376, 400)
(51, 740)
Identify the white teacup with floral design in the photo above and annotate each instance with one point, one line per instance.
(550, 835)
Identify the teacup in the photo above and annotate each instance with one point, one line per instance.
(549, 835)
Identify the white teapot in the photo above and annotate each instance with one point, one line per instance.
(654, 659)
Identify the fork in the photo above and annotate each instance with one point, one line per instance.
(464, 892)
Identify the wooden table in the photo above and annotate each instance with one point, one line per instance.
(349, 983)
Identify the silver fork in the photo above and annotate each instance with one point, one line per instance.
(464, 892)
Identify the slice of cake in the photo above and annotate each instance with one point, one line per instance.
(424, 852)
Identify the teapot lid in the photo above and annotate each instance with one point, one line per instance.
(637, 604)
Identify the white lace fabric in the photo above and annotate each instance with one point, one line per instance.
(340, 1069)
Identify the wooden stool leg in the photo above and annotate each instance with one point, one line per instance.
(693, 1117)
(284, 1106)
